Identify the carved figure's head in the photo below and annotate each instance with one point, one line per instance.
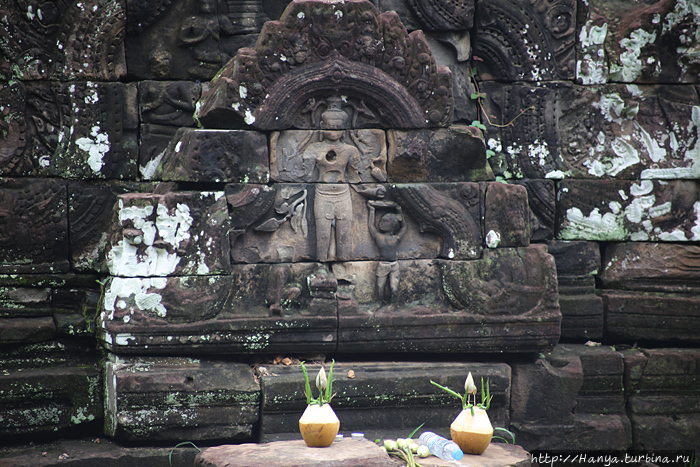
(389, 223)
(334, 118)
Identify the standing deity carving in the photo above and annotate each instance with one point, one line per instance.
(336, 162)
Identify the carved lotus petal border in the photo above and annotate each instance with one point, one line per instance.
(318, 49)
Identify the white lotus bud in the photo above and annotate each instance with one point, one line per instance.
(469, 385)
(321, 380)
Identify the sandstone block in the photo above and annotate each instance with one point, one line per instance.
(172, 399)
(72, 130)
(616, 210)
(521, 313)
(542, 203)
(526, 41)
(390, 81)
(649, 48)
(611, 131)
(651, 317)
(453, 154)
(59, 41)
(294, 222)
(653, 267)
(506, 227)
(48, 388)
(34, 227)
(570, 399)
(287, 453)
(664, 401)
(195, 155)
(257, 308)
(173, 233)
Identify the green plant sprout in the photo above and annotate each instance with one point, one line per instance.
(470, 394)
(501, 438)
(478, 96)
(323, 384)
(170, 456)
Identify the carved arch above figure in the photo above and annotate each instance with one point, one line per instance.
(320, 49)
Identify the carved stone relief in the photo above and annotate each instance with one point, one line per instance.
(68, 40)
(525, 40)
(195, 155)
(444, 15)
(33, 226)
(70, 130)
(171, 234)
(387, 74)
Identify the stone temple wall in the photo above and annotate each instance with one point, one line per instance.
(196, 193)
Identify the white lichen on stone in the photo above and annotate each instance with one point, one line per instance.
(630, 64)
(148, 171)
(592, 68)
(493, 239)
(121, 290)
(97, 146)
(132, 259)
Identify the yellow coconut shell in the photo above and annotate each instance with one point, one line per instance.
(319, 425)
(472, 433)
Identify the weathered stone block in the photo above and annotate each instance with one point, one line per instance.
(456, 306)
(542, 203)
(382, 396)
(454, 154)
(664, 400)
(26, 330)
(570, 400)
(218, 156)
(527, 145)
(168, 103)
(173, 398)
(172, 233)
(582, 309)
(294, 222)
(525, 41)
(575, 258)
(48, 388)
(75, 311)
(389, 81)
(25, 302)
(617, 210)
(629, 132)
(506, 227)
(611, 131)
(646, 45)
(66, 41)
(258, 308)
(33, 226)
(89, 220)
(282, 453)
(178, 40)
(71, 130)
(652, 317)
(653, 267)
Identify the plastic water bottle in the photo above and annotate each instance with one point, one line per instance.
(440, 447)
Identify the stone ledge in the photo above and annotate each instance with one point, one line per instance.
(345, 453)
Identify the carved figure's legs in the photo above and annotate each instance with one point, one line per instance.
(343, 237)
(323, 237)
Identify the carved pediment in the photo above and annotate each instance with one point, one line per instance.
(320, 49)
